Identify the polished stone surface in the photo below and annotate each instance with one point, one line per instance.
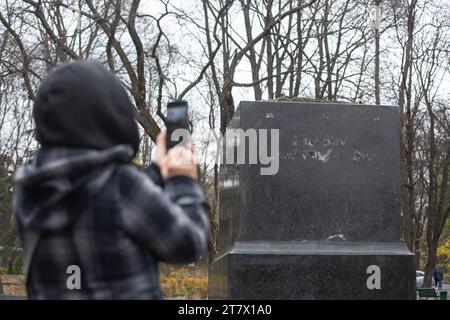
(338, 176)
(327, 273)
(338, 182)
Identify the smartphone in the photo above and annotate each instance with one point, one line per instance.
(177, 118)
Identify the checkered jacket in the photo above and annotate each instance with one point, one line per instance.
(96, 212)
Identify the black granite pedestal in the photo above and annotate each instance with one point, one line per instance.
(327, 225)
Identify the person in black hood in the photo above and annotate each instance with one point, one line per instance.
(83, 105)
(90, 224)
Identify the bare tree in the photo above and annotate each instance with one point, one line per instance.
(433, 54)
(276, 49)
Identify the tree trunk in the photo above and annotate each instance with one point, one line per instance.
(213, 247)
(226, 107)
(252, 54)
(407, 138)
(377, 52)
(431, 263)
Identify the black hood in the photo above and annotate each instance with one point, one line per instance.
(82, 105)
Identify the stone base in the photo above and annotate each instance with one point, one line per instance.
(313, 270)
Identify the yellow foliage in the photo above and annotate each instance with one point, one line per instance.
(181, 282)
(443, 253)
(168, 285)
(194, 287)
(15, 286)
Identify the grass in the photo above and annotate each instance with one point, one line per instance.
(177, 282)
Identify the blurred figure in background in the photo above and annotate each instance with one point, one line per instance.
(438, 277)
